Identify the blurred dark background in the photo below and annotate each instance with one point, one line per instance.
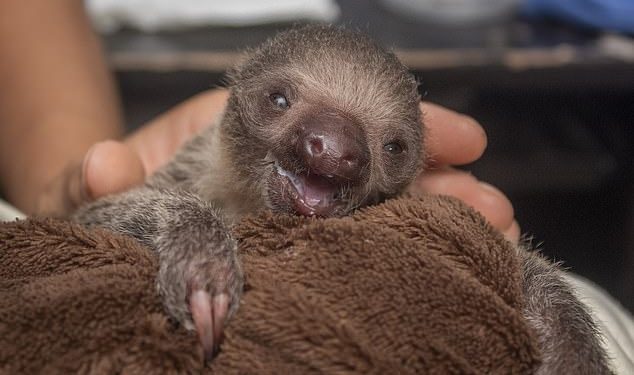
(556, 99)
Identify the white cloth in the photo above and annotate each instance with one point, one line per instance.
(616, 323)
(8, 212)
(154, 15)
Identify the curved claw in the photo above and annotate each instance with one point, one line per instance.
(221, 309)
(209, 316)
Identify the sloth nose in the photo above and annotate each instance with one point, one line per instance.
(332, 146)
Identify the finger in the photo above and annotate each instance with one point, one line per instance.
(200, 306)
(110, 167)
(64, 194)
(486, 199)
(451, 138)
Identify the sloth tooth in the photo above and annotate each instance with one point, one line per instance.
(295, 181)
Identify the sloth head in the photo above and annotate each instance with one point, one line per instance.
(326, 120)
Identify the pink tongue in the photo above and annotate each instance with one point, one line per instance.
(317, 191)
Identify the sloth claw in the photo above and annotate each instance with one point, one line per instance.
(209, 315)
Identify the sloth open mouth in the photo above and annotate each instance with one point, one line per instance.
(309, 194)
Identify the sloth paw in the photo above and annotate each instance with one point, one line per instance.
(201, 288)
(213, 292)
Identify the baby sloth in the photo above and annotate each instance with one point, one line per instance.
(320, 121)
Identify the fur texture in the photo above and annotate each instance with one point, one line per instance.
(568, 338)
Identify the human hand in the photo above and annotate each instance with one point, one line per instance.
(455, 139)
(452, 139)
(110, 166)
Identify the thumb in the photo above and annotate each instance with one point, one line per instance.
(107, 168)
(110, 167)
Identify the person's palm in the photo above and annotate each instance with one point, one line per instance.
(452, 139)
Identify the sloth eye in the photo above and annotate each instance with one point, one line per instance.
(393, 148)
(279, 100)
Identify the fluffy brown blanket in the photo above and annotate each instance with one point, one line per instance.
(415, 285)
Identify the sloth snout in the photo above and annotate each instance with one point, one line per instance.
(332, 146)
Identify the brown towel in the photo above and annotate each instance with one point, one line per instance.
(415, 285)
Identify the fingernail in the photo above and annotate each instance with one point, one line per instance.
(85, 190)
(513, 233)
(75, 185)
(491, 189)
